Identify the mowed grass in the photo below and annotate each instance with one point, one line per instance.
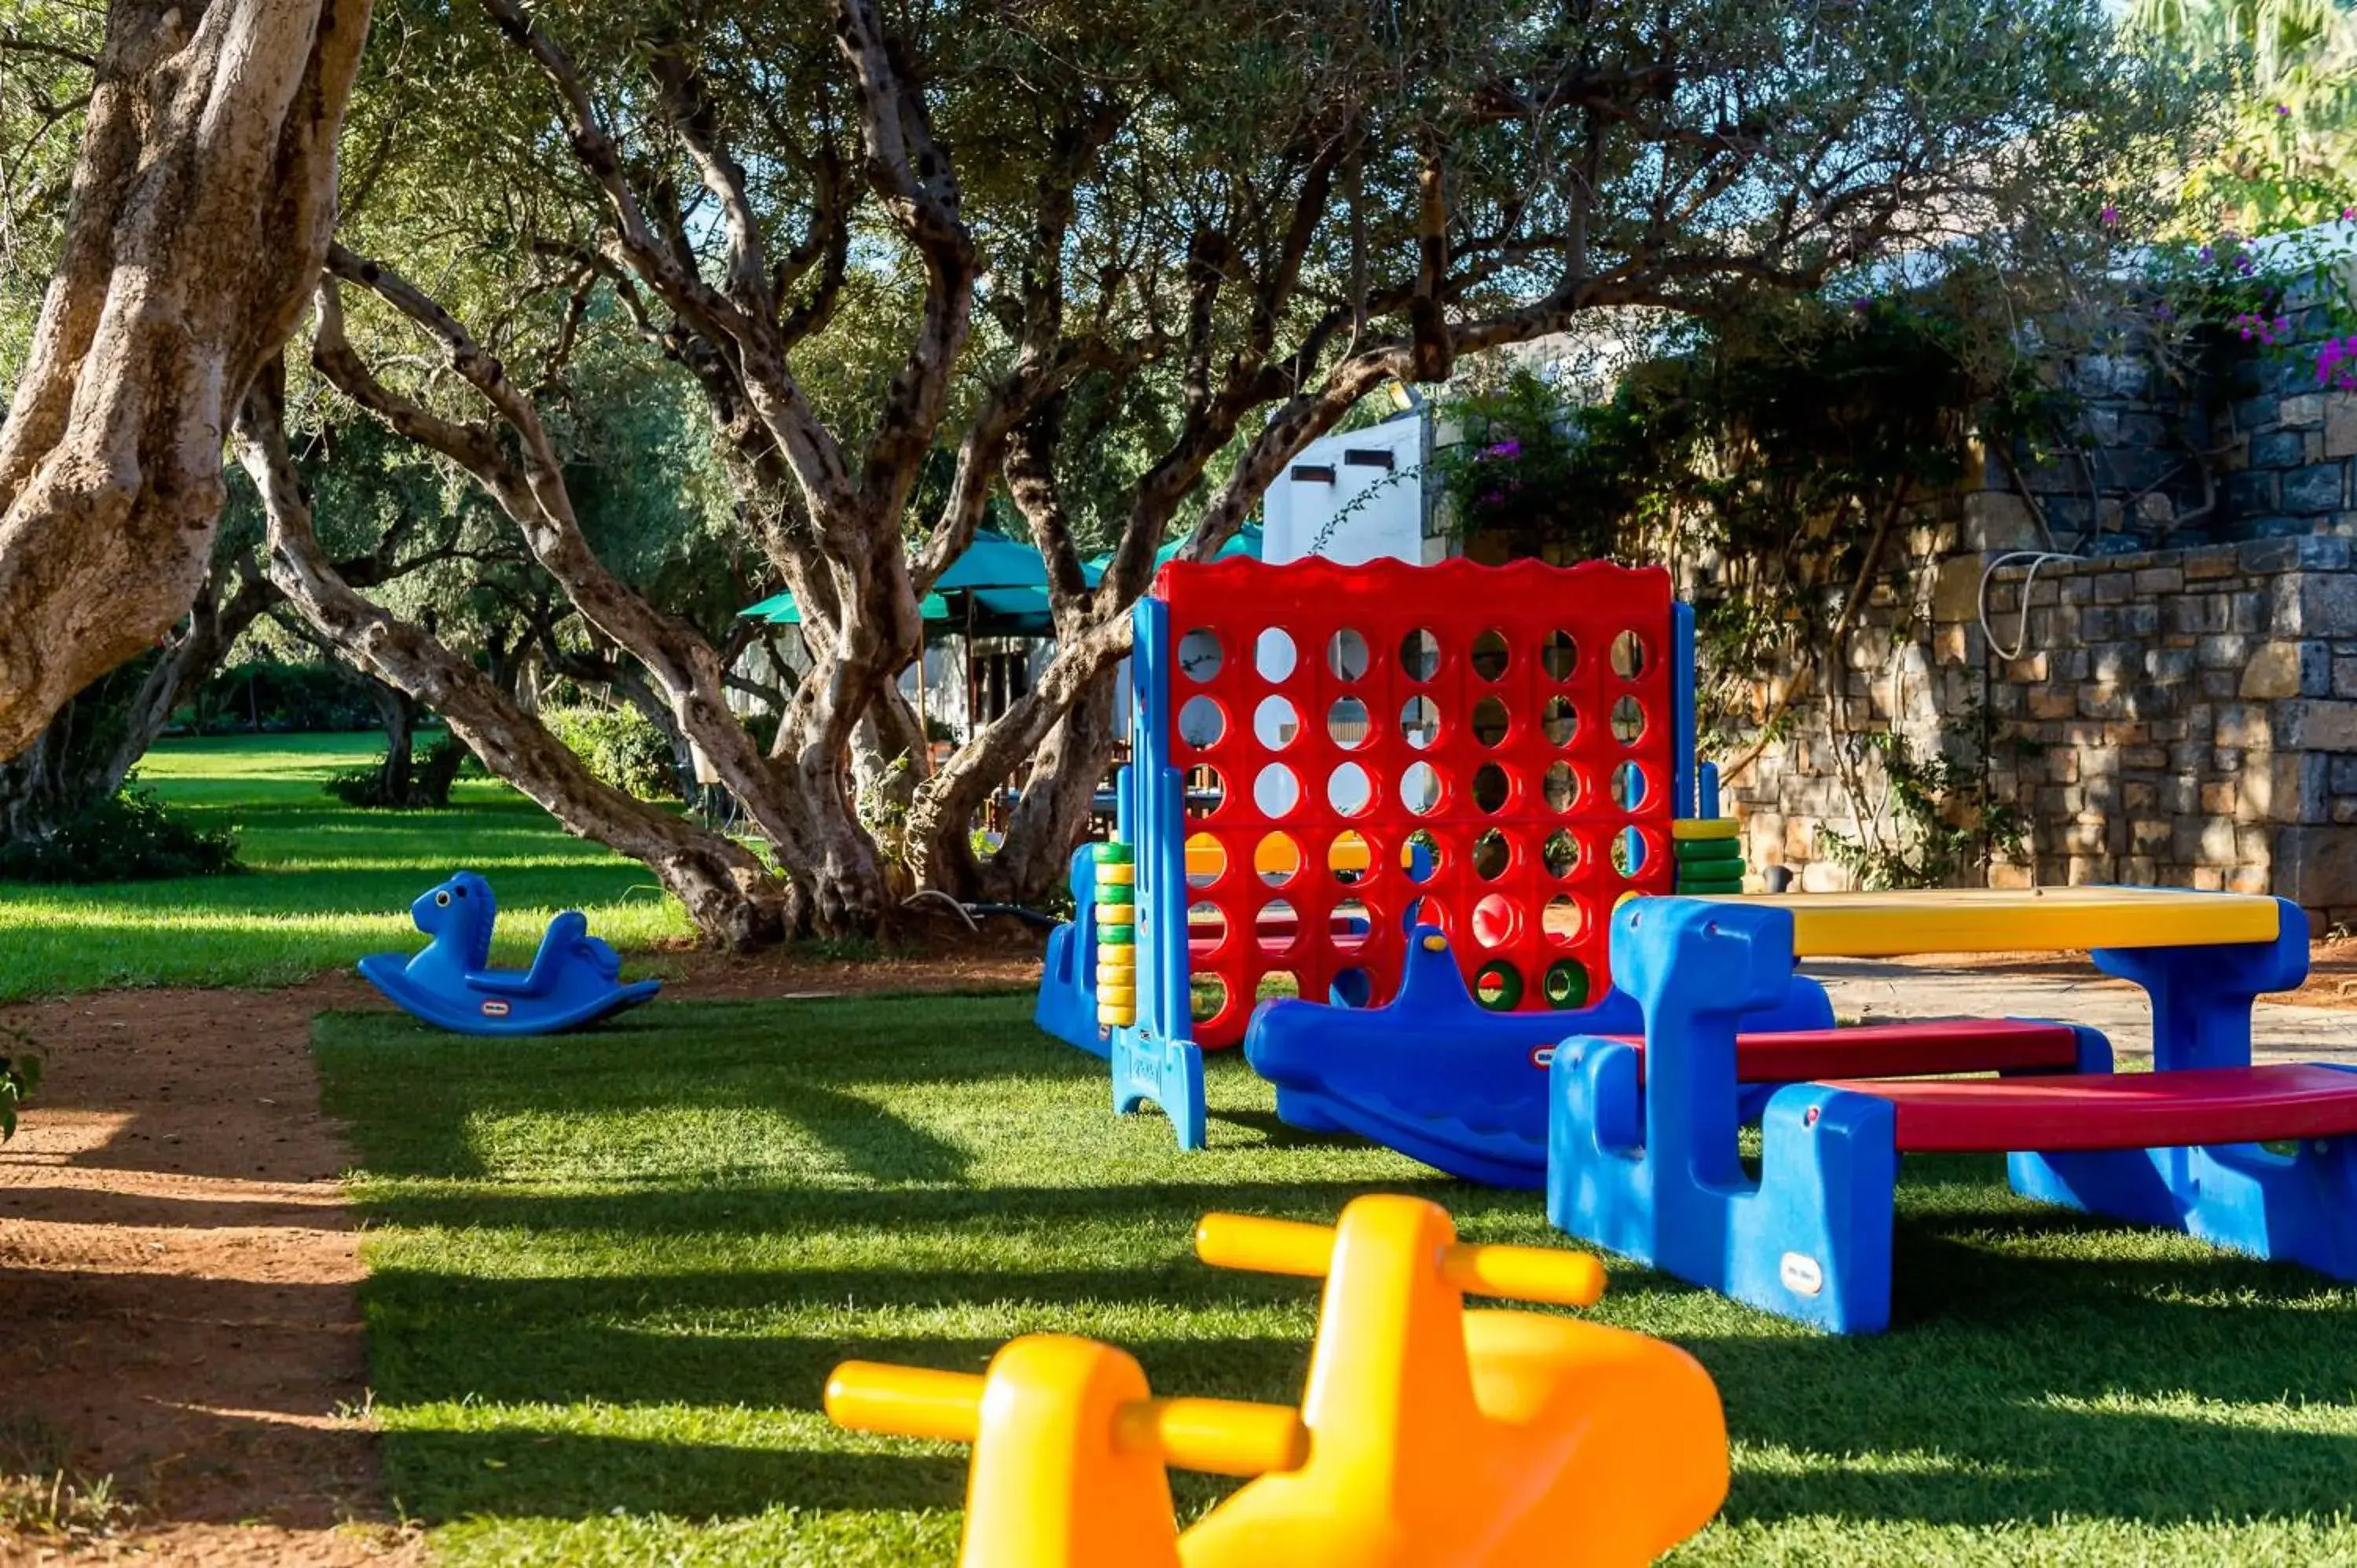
(609, 1273)
(329, 883)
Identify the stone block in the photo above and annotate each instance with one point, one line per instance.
(2221, 799)
(2153, 580)
(2317, 488)
(2247, 880)
(2224, 651)
(2052, 702)
(2325, 553)
(2085, 871)
(2082, 838)
(2098, 622)
(2209, 879)
(2303, 412)
(2255, 414)
(2140, 621)
(2217, 561)
(2279, 526)
(2146, 758)
(2149, 837)
(2265, 556)
(2102, 700)
(2195, 841)
(2326, 604)
(2339, 425)
(2006, 874)
(2141, 871)
(2316, 865)
(2317, 725)
(2251, 492)
(2171, 666)
(2277, 449)
(2114, 587)
(1824, 876)
(2272, 672)
(2294, 787)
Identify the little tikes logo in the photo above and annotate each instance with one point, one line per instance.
(495, 1009)
(1800, 1273)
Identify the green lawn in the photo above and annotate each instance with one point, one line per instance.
(329, 883)
(608, 1274)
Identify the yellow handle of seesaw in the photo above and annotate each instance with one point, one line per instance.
(1290, 1247)
(1222, 1437)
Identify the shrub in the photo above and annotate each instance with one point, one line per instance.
(619, 745)
(279, 698)
(128, 837)
(430, 781)
(20, 1074)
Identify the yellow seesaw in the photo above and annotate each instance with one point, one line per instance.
(1428, 1435)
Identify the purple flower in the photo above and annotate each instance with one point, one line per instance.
(1508, 450)
(1861, 304)
(2162, 312)
(2111, 216)
(2205, 253)
(2283, 109)
(2347, 213)
(2244, 266)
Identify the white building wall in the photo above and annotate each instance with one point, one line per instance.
(1351, 497)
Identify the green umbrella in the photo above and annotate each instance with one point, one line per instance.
(1245, 541)
(780, 609)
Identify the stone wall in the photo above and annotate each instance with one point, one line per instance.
(2183, 717)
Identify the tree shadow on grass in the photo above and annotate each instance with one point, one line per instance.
(532, 1469)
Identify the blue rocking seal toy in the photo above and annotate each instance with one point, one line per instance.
(574, 979)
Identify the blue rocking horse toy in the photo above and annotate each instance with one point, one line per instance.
(574, 979)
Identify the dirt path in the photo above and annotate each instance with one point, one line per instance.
(177, 1265)
(176, 1272)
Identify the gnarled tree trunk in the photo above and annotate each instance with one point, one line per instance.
(1052, 817)
(203, 200)
(728, 893)
(89, 747)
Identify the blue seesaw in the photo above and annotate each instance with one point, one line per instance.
(574, 979)
(1442, 1079)
(1643, 1154)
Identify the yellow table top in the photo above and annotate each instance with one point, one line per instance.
(1981, 919)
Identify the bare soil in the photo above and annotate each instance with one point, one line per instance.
(177, 1273)
(177, 1262)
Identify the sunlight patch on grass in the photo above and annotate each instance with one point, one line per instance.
(610, 1273)
(329, 883)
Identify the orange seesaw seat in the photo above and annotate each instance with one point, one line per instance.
(1428, 1435)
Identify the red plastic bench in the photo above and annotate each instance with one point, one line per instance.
(2121, 1110)
(1899, 1050)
